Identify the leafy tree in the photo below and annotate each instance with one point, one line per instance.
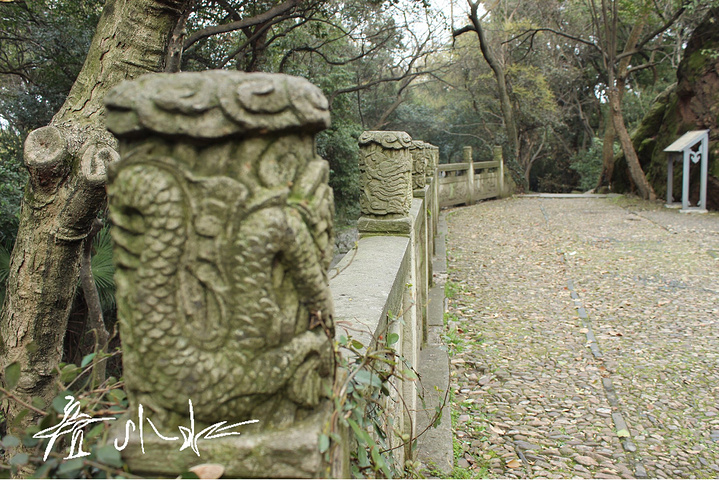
(339, 146)
(44, 44)
(588, 164)
(499, 69)
(629, 37)
(13, 177)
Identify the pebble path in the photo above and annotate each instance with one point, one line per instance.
(584, 339)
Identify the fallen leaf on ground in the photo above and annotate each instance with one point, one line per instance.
(514, 463)
(208, 470)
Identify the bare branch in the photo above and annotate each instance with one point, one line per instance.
(661, 29)
(316, 50)
(254, 37)
(534, 31)
(641, 67)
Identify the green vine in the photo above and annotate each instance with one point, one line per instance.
(363, 407)
(28, 455)
(367, 399)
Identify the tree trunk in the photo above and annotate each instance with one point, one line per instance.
(605, 179)
(617, 83)
(95, 319)
(504, 101)
(66, 161)
(635, 168)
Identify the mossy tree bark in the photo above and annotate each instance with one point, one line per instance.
(66, 161)
(635, 169)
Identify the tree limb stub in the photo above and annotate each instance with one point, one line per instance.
(46, 158)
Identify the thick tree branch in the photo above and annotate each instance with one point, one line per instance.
(280, 9)
(459, 31)
(173, 59)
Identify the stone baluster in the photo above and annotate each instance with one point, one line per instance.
(385, 166)
(432, 160)
(223, 226)
(499, 157)
(467, 157)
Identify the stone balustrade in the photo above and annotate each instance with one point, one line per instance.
(223, 227)
(223, 233)
(383, 286)
(469, 182)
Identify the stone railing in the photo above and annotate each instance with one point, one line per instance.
(223, 226)
(459, 184)
(382, 286)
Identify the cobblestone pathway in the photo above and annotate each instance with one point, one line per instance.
(584, 339)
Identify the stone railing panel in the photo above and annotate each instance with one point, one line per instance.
(385, 173)
(469, 182)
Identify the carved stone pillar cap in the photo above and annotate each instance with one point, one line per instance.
(215, 104)
(393, 140)
(418, 144)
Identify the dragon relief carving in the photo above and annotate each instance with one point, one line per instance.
(222, 244)
(420, 161)
(385, 166)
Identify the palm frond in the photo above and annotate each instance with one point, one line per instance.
(4, 271)
(103, 269)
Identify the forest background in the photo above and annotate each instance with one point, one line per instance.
(389, 65)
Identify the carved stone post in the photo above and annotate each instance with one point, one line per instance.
(432, 159)
(223, 225)
(432, 172)
(420, 154)
(385, 166)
